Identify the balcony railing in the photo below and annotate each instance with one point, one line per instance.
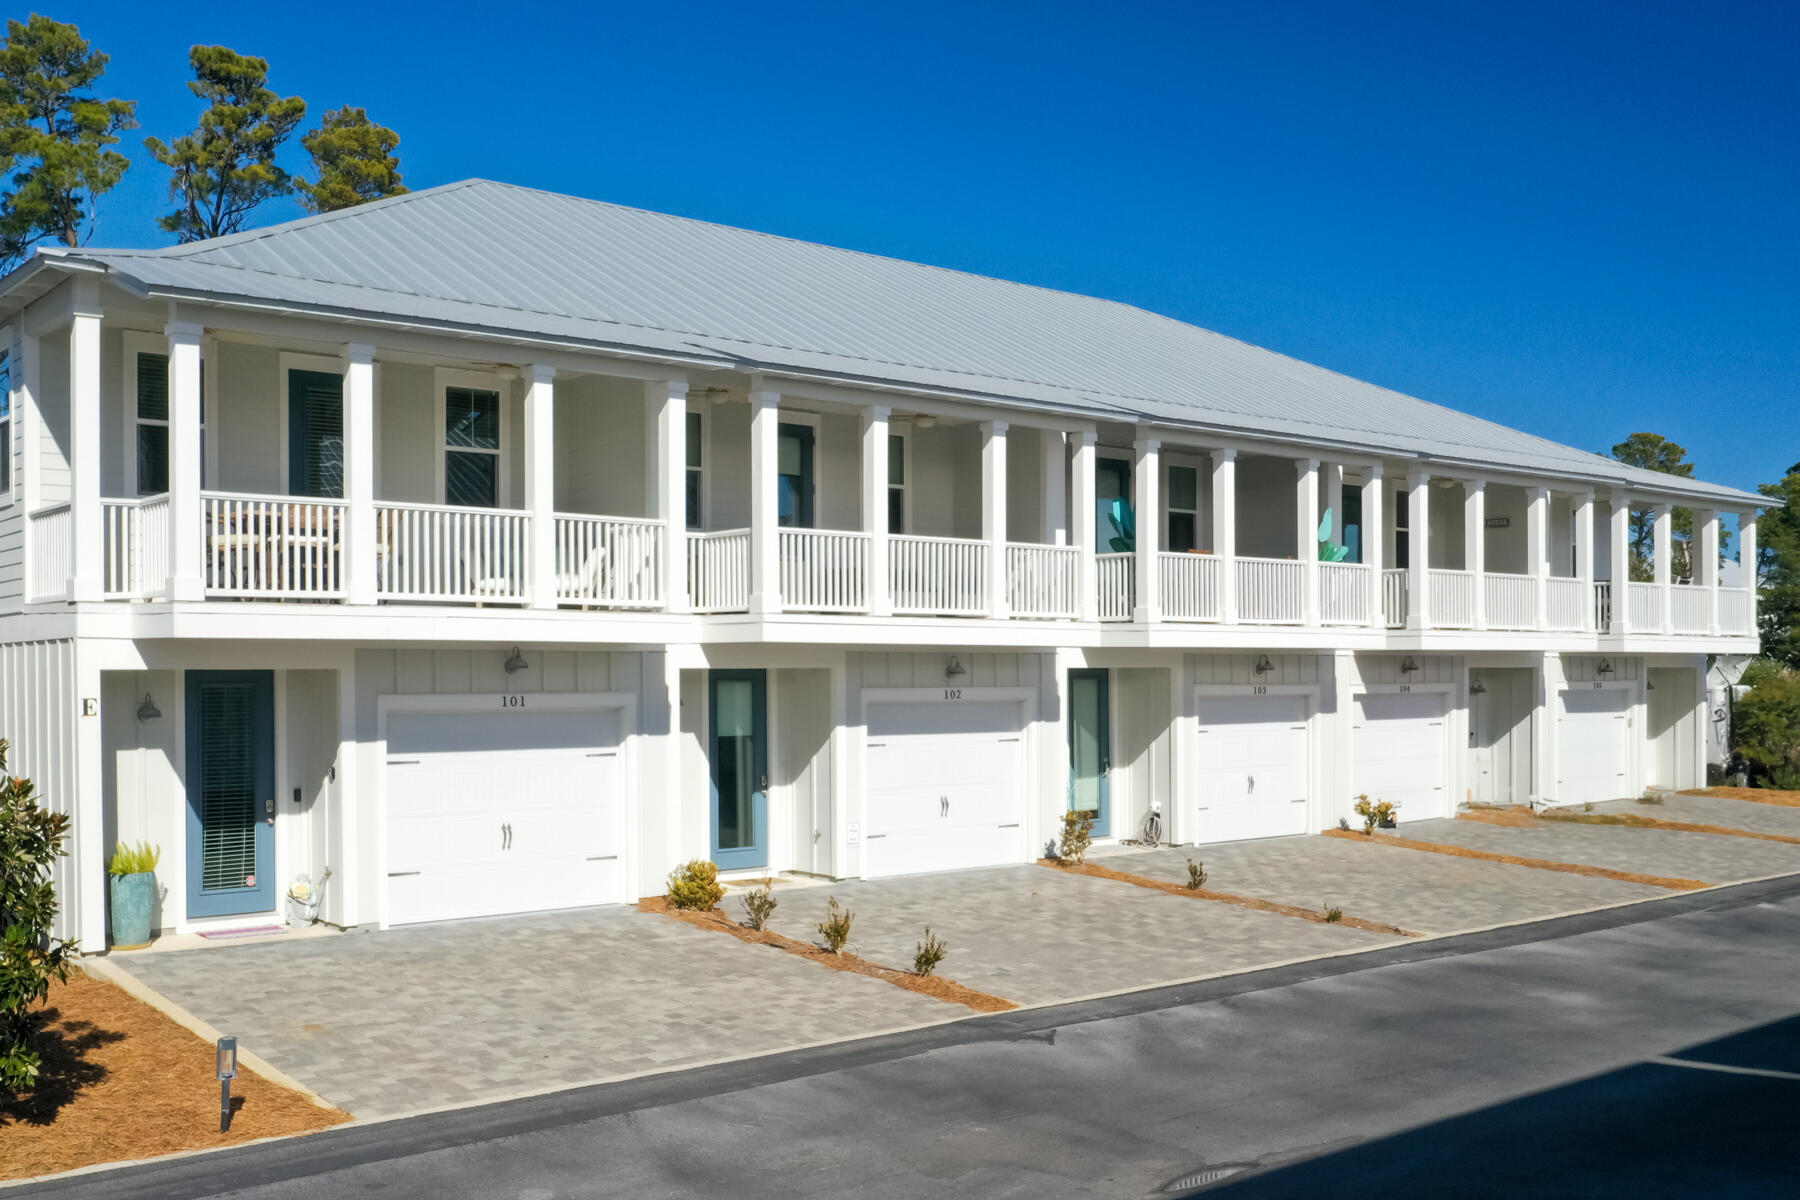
(1645, 614)
(434, 552)
(273, 547)
(1190, 587)
(1344, 593)
(1270, 591)
(1734, 611)
(1394, 597)
(52, 553)
(1565, 602)
(135, 554)
(1042, 582)
(1452, 599)
(1689, 608)
(936, 576)
(718, 571)
(609, 562)
(1603, 606)
(1118, 585)
(824, 570)
(1511, 601)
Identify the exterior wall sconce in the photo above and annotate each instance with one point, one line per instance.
(924, 421)
(1605, 667)
(1263, 665)
(1649, 685)
(516, 663)
(954, 668)
(1477, 688)
(1408, 666)
(147, 711)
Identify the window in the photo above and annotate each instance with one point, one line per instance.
(794, 476)
(1352, 523)
(896, 489)
(696, 459)
(1184, 509)
(152, 424)
(471, 447)
(1402, 540)
(5, 428)
(1115, 529)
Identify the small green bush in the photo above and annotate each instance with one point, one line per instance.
(1196, 875)
(31, 839)
(134, 860)
(759, 903)
(696, 886)
(835, 928)
(929, 953)
(1765, 725)
(1077, 836)
(1333, 914)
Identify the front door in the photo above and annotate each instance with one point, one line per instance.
(795, 455)
(740, 769)
(1090, 748)
(230, 793)
(315, 434)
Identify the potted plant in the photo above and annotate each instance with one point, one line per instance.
(133, 890)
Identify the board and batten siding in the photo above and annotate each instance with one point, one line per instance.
(38, 715)
(12, 504)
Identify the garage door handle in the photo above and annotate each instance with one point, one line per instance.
(1301, 800)
(1014, 825)
(398, 874)
(403, 762)
(873, 836)
(602, 857)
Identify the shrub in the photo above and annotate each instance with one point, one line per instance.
(1344, 823)
(134, 860)
(1374, 813)
(758, 904)
(1766, 725)
(835, 928)
(31, 839)
(1333, 914)
(696, 886)
(929, 953)
(1650, 797)
(1196, 875)
(1077, 836)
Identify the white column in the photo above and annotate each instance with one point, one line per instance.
(667, 399)
(1662, 527)
(1584, 555)
(993, 513)
(765, 510)
(89, 574)
(1306, 532)
(1373, 494)
(1747, 560)
(1055, 502)
(1146, 480)
(187, 551)
(1621, 562)
(875, 504)
(1705, 553)
(1475, 543)
(1224, 523)
(359, 473)
(1083, 522)
(540, 482)
(1537, 557)
(1418, 542)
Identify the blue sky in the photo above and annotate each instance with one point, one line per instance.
(1575, 219)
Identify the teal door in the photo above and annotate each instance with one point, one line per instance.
(737, 716)
(1112, 492)
(794, 452)
(315, 434)
(230, 792)
(1090, 748)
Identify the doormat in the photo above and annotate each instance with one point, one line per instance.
(220, 935)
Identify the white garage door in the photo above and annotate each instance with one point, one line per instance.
(503, 812)
(946, 786)
(1253, 767)
(1591, 745)
(1399, 754)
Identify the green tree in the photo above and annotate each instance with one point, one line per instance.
(1653, 452)
(57, 133)
(1778, 571)
(226, 167)
(1766, 724)
(31, 839)
(354, 160)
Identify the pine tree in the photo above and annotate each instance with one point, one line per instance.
(354, 159)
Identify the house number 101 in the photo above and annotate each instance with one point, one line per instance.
(512, 702)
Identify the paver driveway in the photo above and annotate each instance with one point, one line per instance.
(1711, 858)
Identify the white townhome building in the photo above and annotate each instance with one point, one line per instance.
(496, 550)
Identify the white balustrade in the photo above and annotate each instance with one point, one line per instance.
(52, 553)
(1271, 591)
(1511, 601)
(1688, 608)
(938, 576)
(1394, 597)
(1452, 599)
(1645, 612)
(824, 570)
(1118, 585)
(273, 547)
(1566, 600)
(439, 552)
(1734, 611)
(718, 571)
(609, 562)
(1603, 606)
(1343, 593)
(1041, 581)
(1190, 587)
(135, 550)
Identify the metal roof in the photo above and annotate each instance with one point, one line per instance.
(506, 259)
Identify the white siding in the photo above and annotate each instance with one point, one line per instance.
(38, 717)
(244, 415)
(1266, 495)
(406, 410)
(53, 419)
(603, 447)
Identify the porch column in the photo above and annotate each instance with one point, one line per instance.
(1418, 550)
(1055, 493)
(360, 574)
(1620, 535)
(993, 513)
(1537, 558)
(765, 508)
(187, 567)
(875, 504)
(1747, 561)
(1662, 527)
(1083, 525)
(1475, 543)
(1373, 488)
(1584, 555)
(1146, 478)
(540, 482)
(1224, 530)
(1306, 510)
(88, 573)
(667, 399)
(1706, 563)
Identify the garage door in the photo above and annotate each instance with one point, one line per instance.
(1253, 767)
(946, 786)
(1398, 752)
(502, 812)
(1591, 745)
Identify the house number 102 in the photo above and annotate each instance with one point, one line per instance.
(512, 702)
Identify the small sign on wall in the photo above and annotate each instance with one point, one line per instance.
(90, 707)
(853, 833)
(1497, 522)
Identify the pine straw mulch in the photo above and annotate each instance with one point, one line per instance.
(1754, 795)
(1516, 860)
(1251, 902)
(122, 1081)
(935, 986)
(1520, 816)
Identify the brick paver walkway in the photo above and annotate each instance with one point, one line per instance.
(1710, 858)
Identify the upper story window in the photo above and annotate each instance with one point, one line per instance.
(149, 400)
(1184, 509)
(471, 447)
(1402, 538)
(6, 440)
(696, 463)
(897, 482)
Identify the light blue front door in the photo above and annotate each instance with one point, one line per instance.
(740, 769)
(1090, 748)
(230, 792)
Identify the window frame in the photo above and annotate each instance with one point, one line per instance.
(695, 412)
(1402, 530)
(445, 378)
(1170, 465)
(136, 342)
(903, 431)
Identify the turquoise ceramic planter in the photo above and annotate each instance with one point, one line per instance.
(131, 899)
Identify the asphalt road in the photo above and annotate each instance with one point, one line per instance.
(1647, 1051)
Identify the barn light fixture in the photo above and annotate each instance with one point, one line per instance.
(516, 663)
(1605, 667)
(1649, 685)
(1408, 666)
(954, 668)
(1477, 688)
(1263, 665)
(147, 711)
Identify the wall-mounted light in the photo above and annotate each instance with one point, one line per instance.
(954, 668)
(147, 711)
(1649, 685)
(516, 663)
(1477, 688)
(1408, 666)
(1605, 667)
(1263, 665)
